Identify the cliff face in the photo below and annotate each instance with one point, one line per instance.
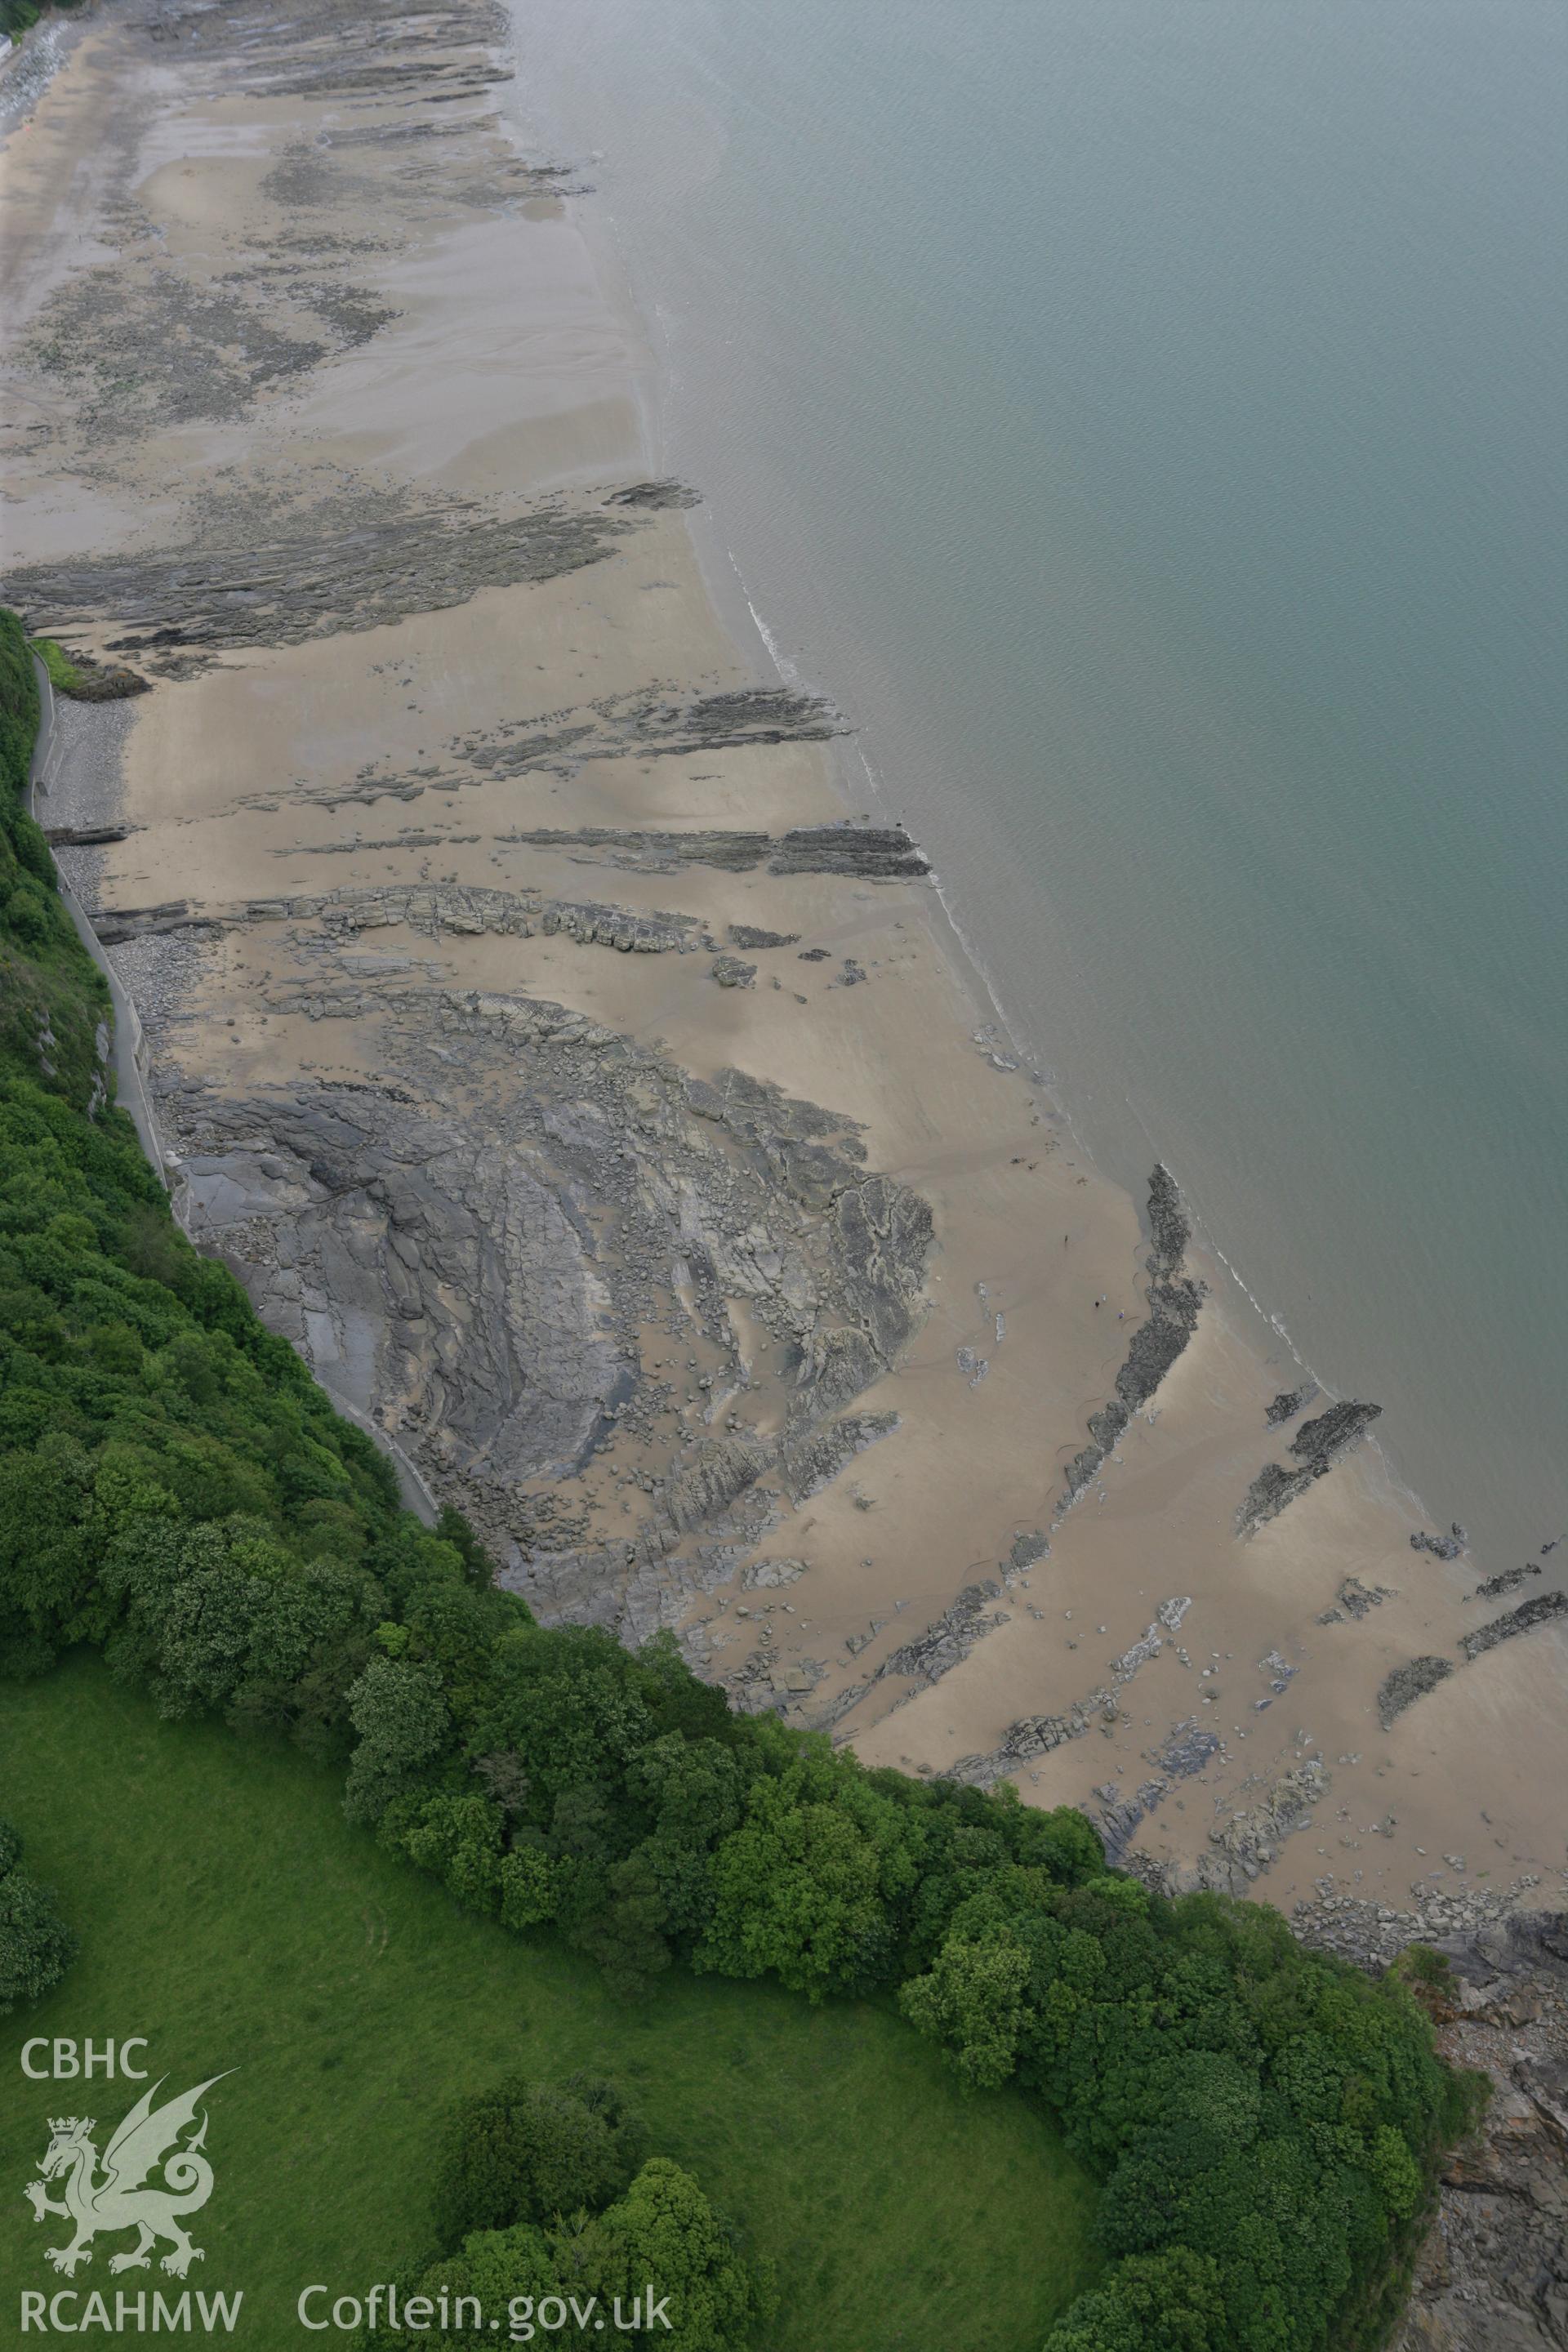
(1492, 2275)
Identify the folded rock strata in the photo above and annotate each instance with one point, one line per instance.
(472, 1269)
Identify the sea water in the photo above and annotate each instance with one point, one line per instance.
(1146, 419)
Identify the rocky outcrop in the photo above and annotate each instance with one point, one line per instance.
(655, 496)
(376, 50)
(650, 723)
(732, 852)
(869, 853)
(748, 936)
(84, 836)
(1173, 1300)
(1407, 1684)
(1034, 1735)
(1508, 1580)
(865, 852)
(385, 560)
(1492, 2273)
(1317, 1446)
(1546, 1609)
(1447, 1547)
(1246, 1844)
(1249, 1841)
(436, 907)
(316, 584)
(471, 1260)
(1185, 1752)
(1356, 1599)
(431, 907)
(922, 1661)
(812, 1457)
(1290, 1402)
(113, 925)
(87, 680)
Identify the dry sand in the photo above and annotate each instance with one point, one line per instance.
(254, 177)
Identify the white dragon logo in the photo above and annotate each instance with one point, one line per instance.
(143, 2141)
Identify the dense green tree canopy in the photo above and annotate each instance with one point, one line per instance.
(37, 1947)
(527, 2151)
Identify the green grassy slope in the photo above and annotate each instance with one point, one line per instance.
(229, 1913)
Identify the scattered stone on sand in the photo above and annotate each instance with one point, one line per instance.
(1355, 1599)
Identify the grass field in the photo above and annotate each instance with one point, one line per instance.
(229, 1913)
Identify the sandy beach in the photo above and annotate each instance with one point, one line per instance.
(587, 1081)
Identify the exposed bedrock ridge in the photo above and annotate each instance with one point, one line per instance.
(731, 1496)
(866, 852)
(1174, 1299)
(922, 1660)
(475, 1273)
(655, 495)
(1033, 1736)
(650, 722)
(1187, 1750)
(1508, 1580)
(352, 576)
(1289, 1404)
(344, 49)
(1412, 1680)
(1317, 1446)
(431, 907)
(1542, 1609)
(1248, 1842)
(1407, 1684)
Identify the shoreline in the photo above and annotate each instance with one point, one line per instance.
(878, 1314)
(728, 586)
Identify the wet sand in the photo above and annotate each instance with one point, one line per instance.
(334, 371)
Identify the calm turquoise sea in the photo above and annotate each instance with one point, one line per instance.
(1147, 419)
